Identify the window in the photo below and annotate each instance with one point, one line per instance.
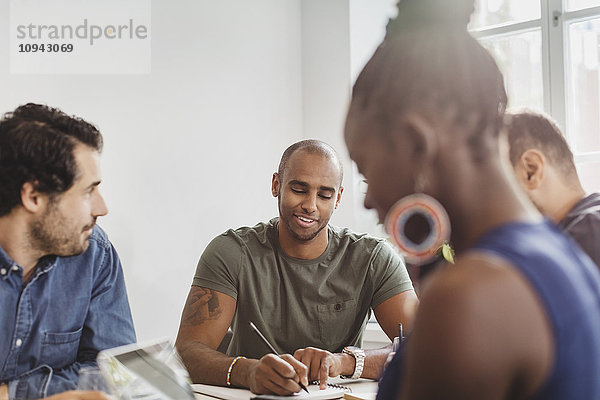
(548, 51)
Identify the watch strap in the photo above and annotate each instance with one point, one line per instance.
(359, 358)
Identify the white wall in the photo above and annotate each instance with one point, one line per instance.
(368, 19)
(190, 148)
(326, 84)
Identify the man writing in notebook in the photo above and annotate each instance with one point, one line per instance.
(308, 287)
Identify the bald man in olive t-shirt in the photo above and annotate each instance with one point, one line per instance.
(295, 303)
(307, 286)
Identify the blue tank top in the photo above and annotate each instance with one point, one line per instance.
(568, 284)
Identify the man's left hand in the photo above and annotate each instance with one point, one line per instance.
(322, 364)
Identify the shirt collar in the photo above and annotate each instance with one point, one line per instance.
(8, 265)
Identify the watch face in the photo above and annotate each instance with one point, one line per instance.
(354, 351)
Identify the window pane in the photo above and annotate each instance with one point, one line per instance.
(583, 113)
(588, 174)
(497, 12)
(579, 4)
(519, 57)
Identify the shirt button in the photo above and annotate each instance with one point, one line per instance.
(15, 268)
(3, 271)
(19, 342)
(338, 307)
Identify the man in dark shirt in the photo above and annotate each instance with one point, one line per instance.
(544, 166)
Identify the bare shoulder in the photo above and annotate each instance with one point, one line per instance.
(481, 332)
(480, 279)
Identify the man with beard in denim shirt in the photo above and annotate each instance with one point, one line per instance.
(62, 291)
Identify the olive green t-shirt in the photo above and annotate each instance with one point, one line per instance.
(324, 302)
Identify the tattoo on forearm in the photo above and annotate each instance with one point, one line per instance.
(202, 305)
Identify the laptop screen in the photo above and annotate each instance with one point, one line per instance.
(152, 371)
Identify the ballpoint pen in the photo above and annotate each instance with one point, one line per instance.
(264, 339)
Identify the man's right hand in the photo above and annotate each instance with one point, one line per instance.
(204, 322)
(277, 375)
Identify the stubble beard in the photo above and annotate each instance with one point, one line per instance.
(305, 238)
(302, 238)
(51, 235)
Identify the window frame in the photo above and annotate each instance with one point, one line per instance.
(554, 22)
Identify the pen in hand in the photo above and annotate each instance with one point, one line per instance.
(264, 339)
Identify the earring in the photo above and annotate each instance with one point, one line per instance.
(435, 215)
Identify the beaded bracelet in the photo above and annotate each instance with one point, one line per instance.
(231, 367)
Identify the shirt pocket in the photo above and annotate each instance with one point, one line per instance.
(335, 322)
(60, 349)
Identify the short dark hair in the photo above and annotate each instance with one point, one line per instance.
(310, 146)
(528, 129)
(36, 145)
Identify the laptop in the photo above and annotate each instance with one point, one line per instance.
(146, 371)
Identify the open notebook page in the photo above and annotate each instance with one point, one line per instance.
(226, 393)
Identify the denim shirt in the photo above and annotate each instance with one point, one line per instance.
(70, 309)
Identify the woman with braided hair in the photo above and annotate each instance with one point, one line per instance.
(518, 315)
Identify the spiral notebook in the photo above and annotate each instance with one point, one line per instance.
(225, 393)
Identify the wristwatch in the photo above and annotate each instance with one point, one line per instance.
(359, 357)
